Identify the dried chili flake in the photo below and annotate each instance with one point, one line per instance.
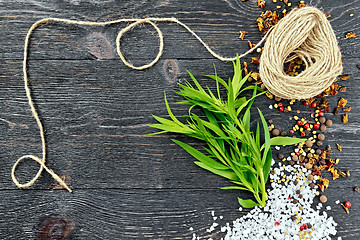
(242, 35)
(255, 60)
(321, 187)
(255, 75)
(336, 111)
(342, 173)
(261, 3)
(251, 45)
(267, 20)
(344, 77)
(342, 102)
(301, 5)
(358, 66)
(350, 35)
(342, 89)
(347, 109)
(269, 95)
(345, 118)
(246, 68)
(346, 209)
(339, 147)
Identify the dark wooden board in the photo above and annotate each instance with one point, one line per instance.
(127, 184)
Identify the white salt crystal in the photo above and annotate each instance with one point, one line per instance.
(191, 229)
(271, 107)
(277, 147)
(212, 213)
(337, 201)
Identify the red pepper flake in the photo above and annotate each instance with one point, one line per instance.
(321, 187)
(345, 118)
(346, 209)
(281, 109)
(242, 35)
(292, 131)
(301, 228)
(303, 135)
(342, 89)
(261, 3)
(339, 147)
(299, 123)
(347, 204)
(255, 60)
(344, 77)
(321, 114)
(251, 45)
(316, 126)
(277, 224)
(306, 103)
(246, 68)
(280, 104)
(347, 109)
(306, 126)
(342, 102)
(313, 104)
(255, 76)
(350, 35)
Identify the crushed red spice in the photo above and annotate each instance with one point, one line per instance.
(350, 35)
(345, 118)
(267, 20)
(246, 68)
(342, 102)
(346, 209)
(261, 3)
(255, 60)
(344, 77)
(347, 109)
(242, 35)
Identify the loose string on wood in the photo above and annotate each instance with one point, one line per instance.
(303, 33)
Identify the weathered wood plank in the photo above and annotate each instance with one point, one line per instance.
(136, 214)
(216, 22)
(128, 185)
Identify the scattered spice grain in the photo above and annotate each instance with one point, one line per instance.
(344, 77)
(345, 118)
(350, 35)
(242, 35)
(339, 147)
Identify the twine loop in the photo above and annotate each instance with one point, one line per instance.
(42, 166)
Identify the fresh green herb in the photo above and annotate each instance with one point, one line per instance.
(233, 150)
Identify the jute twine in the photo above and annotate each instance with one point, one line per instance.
(305, 33)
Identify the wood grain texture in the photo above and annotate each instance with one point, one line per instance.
(128, 185)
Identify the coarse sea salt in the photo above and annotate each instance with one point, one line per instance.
(274, 221)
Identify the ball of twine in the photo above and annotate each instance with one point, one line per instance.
(306, 34)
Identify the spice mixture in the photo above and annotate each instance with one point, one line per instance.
(299, 178)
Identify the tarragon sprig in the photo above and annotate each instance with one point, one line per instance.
(233, 150)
